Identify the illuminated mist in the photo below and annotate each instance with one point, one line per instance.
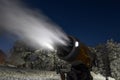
(31, 26)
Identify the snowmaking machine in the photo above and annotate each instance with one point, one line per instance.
(80, 58)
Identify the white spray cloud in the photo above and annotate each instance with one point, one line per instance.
(33, 27)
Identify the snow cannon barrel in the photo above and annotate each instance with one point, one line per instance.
(75, 52)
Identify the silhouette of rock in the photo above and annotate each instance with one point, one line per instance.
(2, 57)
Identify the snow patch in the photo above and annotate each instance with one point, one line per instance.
(100, 77)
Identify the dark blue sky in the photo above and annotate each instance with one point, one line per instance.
(93, 22)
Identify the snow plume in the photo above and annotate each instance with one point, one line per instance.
(33, 27)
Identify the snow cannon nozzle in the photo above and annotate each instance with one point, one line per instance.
(75, 51)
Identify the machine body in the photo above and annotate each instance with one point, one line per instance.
(78, 55)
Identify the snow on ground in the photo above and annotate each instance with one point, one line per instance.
(100, 77)
(7, 73)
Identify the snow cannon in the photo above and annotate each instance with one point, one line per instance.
(75, 52)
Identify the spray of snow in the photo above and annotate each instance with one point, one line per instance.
(32, 26)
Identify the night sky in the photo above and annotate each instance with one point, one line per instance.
(92, 22)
